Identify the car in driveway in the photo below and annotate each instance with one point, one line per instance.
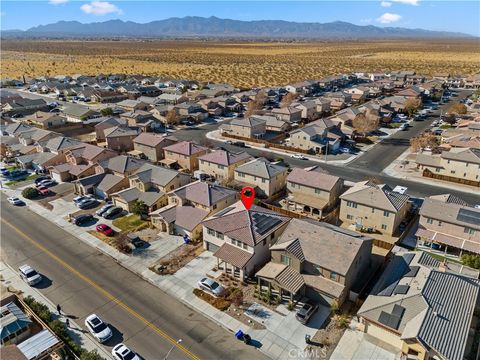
(103, 209)
(15, 201)
(29, 275)
(211, 286)
(306, 311)
(113, 211)
(82, 219)
(122, 352)
(299, 157)
(345, 149)
(403, 127)
(105, 229)
(98, 328)
(42, 178)
(47, 183)
(42, 190)
(87, 204)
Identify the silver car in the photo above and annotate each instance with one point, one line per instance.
(103, 209)
(211, 286)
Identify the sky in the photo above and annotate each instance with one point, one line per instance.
(456, 16)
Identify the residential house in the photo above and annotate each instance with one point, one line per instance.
(320, 261)
(411, 92)
(105, 96)
(24, 105)
(249, 127)
(190, 111)
(150, 145)
(319, 136)
(312, 192)
(322, 105)
(267, 178)
(172, 99)
(423, 308)
(107, 123)
(119, 138)
(290, 113)
(103, 185)
(450, 223)
(309, 109)
(58, 145)
(46, 120)
(373, 206)
(221, 164)
(143, 120)
(240, 239)
(132, 105)
(457, 165)
(120, 165)
(184, 154)
(78, 113)
(39, 161)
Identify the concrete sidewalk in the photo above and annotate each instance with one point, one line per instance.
(274, 343)
(10, 279)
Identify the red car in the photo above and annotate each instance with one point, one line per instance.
(43, 190)
(104, 229)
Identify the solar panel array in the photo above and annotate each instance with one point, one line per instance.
(408, 257)
(412, 272)
(469, 216)
(392, 320)
(401, 289)
(264, 223)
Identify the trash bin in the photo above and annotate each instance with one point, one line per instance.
(247, 339)
(239, 334)
(307, 339)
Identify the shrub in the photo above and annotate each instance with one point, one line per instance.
(221, 304)
(342, 321)
(471, 260)
(290, 305)
(334, 307)
(91, 355)
(29, 193)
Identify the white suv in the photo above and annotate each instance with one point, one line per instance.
(98, 328)
(29, 275)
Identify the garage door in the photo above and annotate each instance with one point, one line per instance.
(384, 335)
(317, 296)
(100, 194)
(57, 177)
(212, 247)
(180, 231)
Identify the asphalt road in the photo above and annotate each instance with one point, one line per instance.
(84, 281)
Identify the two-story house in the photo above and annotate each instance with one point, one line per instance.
(240, 239)
(266, 177)
(120, 138)
(312, 192)
(185, 154)
(221, 164)
(450, 223)
(373, 206)
(320, 136)
(318, 260)
(151, 145)
(250, 127)
(291, 114)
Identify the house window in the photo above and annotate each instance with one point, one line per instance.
(349, 217)
(333, 276)
(214, 206)
(386, 213)
(234, 242)
(219, 235)
(437, 169)
(244, 246)
(263, 180)
(373, 210)
(439, 223)
(210, 232)
(352, 204)
(284, 259)
(469, 231)
(384, 227)
(452, 172)
(202, 162)
(429, 221)
(318, 191)
(221, 167)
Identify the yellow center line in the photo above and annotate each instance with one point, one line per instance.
(109, 296)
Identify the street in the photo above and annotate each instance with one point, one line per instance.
(85, 281)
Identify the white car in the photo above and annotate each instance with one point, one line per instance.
(299, 156)
(211, 286)
(15, 201)
(98, 328)
(29, 275)
(121, 352)
(47, 182)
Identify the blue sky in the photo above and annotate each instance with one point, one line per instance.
(458, 16)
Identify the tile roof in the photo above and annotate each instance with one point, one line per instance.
(262, 168)
(186, 148)
(249, 122)
(233, 255)
(205, 194)
(313, 177)
(462, 154)
(153, 140)
(189, 217)
(449, 199)
(120, 131)
(133, 194)
(109, 181)
(157, 174)
(448, 212)
(331, 247)
(378, 196)
(61, 143)
(225, 158)
(285, 276)
(122, 163)
(240, 224)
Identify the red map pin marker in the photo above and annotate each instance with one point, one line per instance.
(248, 195)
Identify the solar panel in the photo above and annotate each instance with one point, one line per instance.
(412, 272)
(264, 223)
(408, 257)
(389, 320)
(401, 289)
(398, 310)
(388, 291)
(469, 216)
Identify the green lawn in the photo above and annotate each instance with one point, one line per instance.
(440, 257)
(446, 126)
(30, 177)
(130, 223)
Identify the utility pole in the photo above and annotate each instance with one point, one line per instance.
(171, 349)
(326, 150)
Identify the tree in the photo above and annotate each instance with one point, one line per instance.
(91, 355)
(365, 123)
(172, 117)
(255, 105)
(412, 105)
(460, 109)
(107, 111)
(29, 193)
(450, 118)
(288, 99)
(139, 208)
(423, 141)
(471, 260)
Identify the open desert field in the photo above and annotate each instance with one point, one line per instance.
(242, 64)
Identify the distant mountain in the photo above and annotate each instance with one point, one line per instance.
(214, 27)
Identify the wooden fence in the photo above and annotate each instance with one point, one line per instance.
(266, 143)
(429, 174)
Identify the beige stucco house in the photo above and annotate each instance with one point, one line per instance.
(221, 164)
(185, 154)
(119, 138)
(249, 127)
(151, 145)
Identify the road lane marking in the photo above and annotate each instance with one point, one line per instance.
(109, 296)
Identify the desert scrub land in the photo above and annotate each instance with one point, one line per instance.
(243, 64)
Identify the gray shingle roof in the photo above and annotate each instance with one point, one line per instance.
(122, 163)
(157, 175)
(313, 177)
(204, 193)
(225, 158)
(262, 168)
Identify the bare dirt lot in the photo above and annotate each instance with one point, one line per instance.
(244, 64)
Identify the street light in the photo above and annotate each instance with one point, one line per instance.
(171, 349)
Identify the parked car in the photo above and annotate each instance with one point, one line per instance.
(229, 142)
(113, 211)
(47, 183)
(306, 311)
(79, 199)
(87, 203)
(345, 149)
(437, 132)
(299, 157)
(15, 201)
(104, 229)
(239, 144)
(403, 127)
(104, 208)
(43, 190)
(98, 328)
(121, 352)
(29, 275)
(211, 286)
(42, 178)
(82, 219)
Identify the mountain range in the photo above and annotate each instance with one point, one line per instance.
(213, 27)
